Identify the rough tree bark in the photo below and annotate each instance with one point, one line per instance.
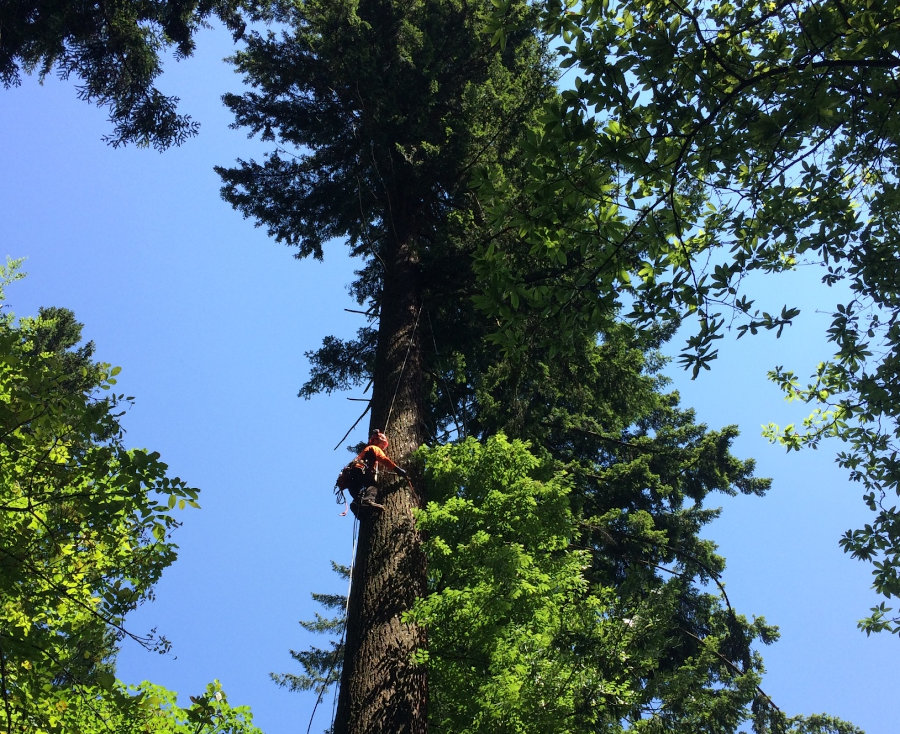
(390, 105)
(382, 690)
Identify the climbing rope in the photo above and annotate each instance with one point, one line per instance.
(460, 432)
(324, 687)
(346, 613)
(402, 368)
(396, 388)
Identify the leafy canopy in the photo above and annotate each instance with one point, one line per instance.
(377, 113)
(528, 634)
(85, 532)
(699, 144)
(151, 708)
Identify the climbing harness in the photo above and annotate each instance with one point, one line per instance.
(360, 476)
(353, 475)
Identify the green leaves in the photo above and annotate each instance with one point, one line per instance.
(539, 615)
(120, 709)
(702, 145)
(506, 584)
(85, 531)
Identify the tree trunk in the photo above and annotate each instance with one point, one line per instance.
(382, 690)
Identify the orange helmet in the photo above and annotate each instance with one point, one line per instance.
(378, 439)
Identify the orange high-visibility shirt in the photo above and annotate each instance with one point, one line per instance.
(374, 456)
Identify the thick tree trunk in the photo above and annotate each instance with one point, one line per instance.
(382, 690)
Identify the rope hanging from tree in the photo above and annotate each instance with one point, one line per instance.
(402, 368)
(396, 388)
(325, 687)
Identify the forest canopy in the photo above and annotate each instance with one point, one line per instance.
(85, 533)
(526, 249)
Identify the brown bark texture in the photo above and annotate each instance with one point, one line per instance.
(382, 690)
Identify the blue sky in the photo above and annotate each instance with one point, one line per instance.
(210, 321)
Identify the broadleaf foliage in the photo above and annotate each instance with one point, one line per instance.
(698, 145)
(85, 531)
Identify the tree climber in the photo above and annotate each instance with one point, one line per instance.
(360, 476)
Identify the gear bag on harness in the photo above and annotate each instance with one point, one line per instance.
(351, 479)
(360, 476)
(356, 479)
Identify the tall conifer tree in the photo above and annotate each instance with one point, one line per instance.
(379, 111)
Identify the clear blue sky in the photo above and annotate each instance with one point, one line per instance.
(210, 320)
